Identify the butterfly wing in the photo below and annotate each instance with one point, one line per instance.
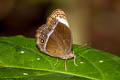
(60, 41)
(41, 37)
(54, 38)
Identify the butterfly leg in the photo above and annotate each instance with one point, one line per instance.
(65, 65)
(75, 61)
(56, 62)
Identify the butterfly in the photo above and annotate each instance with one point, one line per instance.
(55, 38)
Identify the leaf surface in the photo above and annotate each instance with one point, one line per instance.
(21, 54)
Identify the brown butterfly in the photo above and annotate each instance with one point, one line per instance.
(55, 38)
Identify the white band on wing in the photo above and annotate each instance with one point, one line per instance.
(63, 21)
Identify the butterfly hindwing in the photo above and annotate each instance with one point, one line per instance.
(60, 41)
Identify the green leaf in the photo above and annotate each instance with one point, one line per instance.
(25, 74)
(21, 73)
(21, 54)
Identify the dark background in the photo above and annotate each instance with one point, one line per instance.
(100, 17)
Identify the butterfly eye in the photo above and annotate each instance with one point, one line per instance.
(42, 41)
